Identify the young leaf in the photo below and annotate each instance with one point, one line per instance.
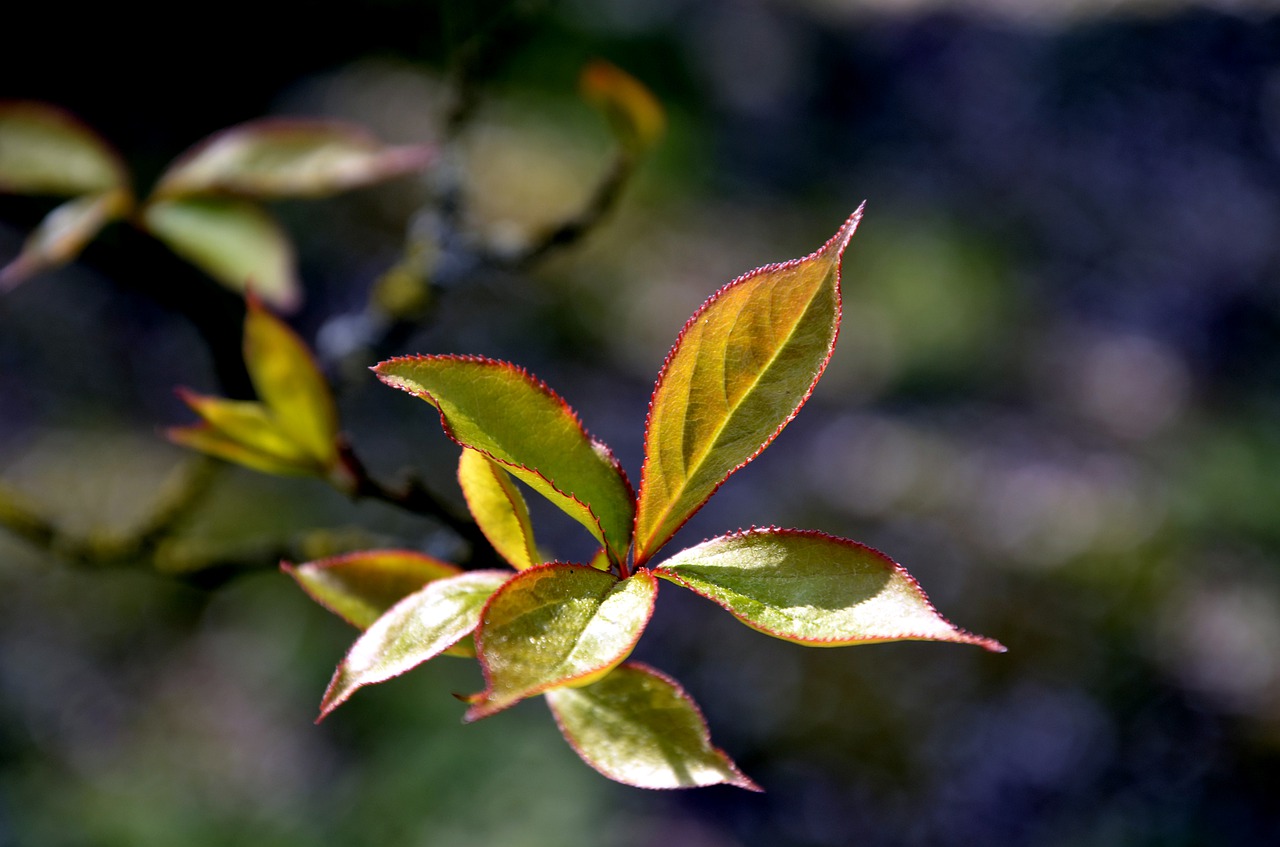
(633, 112)
(288, 158)
(499, 509)
(360, 587)
(233, 241)
(64, 233)
(638, 727)
(243, 433)
(520, 423)
(417, 628)
(740, 370)
(44, 150)
(813, 589)
(557, 625)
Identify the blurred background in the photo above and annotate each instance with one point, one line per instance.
(1055, 400)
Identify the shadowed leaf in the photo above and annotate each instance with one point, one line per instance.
(360, 587)
(64, 233)
(498, 508)
(44, 150)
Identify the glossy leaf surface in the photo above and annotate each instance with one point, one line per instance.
(288, 158)
(498, 508)
(359, 587)
(634, 114)
(417, 628)
(638, 726)
(233, 241)
(64, 233)
(814, 589)
(741, 368)
(516, 421)
(44, 150)
(557, 625)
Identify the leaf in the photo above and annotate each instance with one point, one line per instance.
(638, 727)
(498, 508)
(64, 233)
(233, 241)
(214, 442)
(814, 589)
(360, 587)
(634, 114)
(44, 150)
(277, 157)
(245, 433)
(417, 628)
(520, 423)
(740, 370)
(290, 384)
(557, 625)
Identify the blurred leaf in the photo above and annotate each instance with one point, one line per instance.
(557, 625)
(498, 508)
(516, 421)
(634, 114)
(215, 442)
(44, 150)
(360, 587)
(417, 628)
(288, 158)
(813, 589)
(233, 241)
(64, 233)
(637, 726)
(740, 370)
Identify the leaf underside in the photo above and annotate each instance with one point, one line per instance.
(360, 587)
(498, 508)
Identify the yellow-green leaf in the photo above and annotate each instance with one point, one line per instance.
(360, 587)
(215, 442)
(814, 589)
(233, 241)
(498, 508)
(740, 370)
(638, 727)
(634, 114)
(417, 628)
(277, 157)
(557, 625)
(44, 150)
(520, 423)
(64, 233)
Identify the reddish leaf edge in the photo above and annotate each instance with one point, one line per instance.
(963, 636)
(840, 241)
(742, 781)
(291, 570)
(478, 708)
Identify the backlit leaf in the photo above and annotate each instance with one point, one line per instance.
(557, 625)
(233, 241)
(214, 442)
(740, 370)
(813, 589)
(359, 587)
(498, 508)
(516, 421)
(417, 628)
(634, 114)
(44, 150)
(288, 158)
(638, 727)
(64, 233)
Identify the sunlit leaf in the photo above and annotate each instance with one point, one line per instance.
(233, 241)
(64, 233)
(740, 370)
(516, 421)
(557, 625)
(498, 508)
(417, 628)
(359, 587)
(44, 150)
(250, 424)
(288, 158)
(813, 589)
(634, 114)
(638, 727)
(214, 442)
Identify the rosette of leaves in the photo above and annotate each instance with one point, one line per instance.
(206, 207)
(739, 371)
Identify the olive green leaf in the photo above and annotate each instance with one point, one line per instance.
(44, 150)
(498, 508)
(359, 587)
(634, 114)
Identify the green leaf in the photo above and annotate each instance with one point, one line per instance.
(634, 114)
(44, 150)
(638, 727)
(498, 508)
(233, 241)
(245, 433)
(288, 158)
(419, 627)
(557, 625)
(64, 233)
(520, 423)
(814, 589)
(740, 370)
(360, 587)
